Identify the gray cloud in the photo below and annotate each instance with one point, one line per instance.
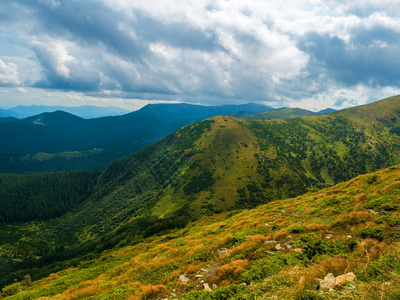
(206, 51)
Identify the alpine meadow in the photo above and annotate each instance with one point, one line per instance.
(225, 208)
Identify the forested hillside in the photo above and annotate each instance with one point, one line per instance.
(43, 196)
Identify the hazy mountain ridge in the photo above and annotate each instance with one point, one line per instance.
(83, 111)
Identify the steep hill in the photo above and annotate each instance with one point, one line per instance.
(287, 249)
(286, 113)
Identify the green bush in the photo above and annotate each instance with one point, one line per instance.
(269, 266)
(318, 247)
(375, 232)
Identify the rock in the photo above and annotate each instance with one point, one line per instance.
(243, 284)
(214, 286)
(288, 246)
(328, 236)
(207, 287)
(387, 283)
(204, 270)
(328, 282)
(269, 252)
(198, 276)
(349, 236)
(288, 243)
(342, 279)
(283, 211)
(289, 236)
(222, 253)
(278, 247)
(267, 225)
(297, 250)
(183, 278)
(373, 212)
(270, 242)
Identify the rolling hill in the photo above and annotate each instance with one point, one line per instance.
(216, 165)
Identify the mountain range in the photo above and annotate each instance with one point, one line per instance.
(114, 137)
(83, 111)
(220, 164)
(60, 141)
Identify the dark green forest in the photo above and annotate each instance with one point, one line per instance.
(43, 196)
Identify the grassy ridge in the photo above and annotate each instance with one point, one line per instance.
(351, 227)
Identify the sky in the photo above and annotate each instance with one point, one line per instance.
(312, 54)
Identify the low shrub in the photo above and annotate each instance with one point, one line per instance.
(375, 232)
(269, 266)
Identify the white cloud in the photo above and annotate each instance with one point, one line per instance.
(9, 74)
(210, 51)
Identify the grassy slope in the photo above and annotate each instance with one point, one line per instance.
(362, 242)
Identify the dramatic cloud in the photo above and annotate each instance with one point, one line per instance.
(282, 52)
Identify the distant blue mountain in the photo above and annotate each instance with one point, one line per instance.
(326, 111)
(84, 111)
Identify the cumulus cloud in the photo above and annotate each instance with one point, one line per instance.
(209, 51)
(9, 74)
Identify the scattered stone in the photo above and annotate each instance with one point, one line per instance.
(267, 225)
(198, 276)
(202, 281)
(288, 246)
(288, 243)
(387, 283)
(214, 286)
(297, 250)
(349, 236)
(270, 242)
(243, 284)
(278, 247)
(289, 236)
(183, 278)
(342, 279)
(331, 281)
(373, 212)
(222, 253)
(328, 236)
(269, 252)
(283, 210)
(173, 295)
(207, 287)
(328, 282)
